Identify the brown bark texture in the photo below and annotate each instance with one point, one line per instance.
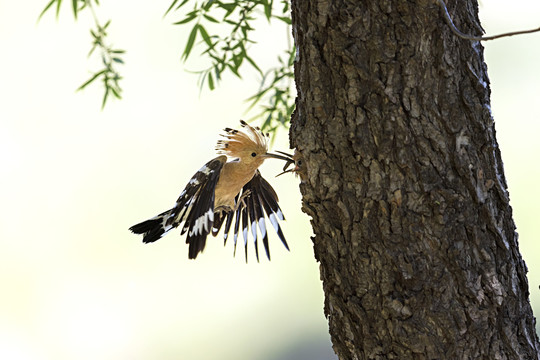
(403, 179)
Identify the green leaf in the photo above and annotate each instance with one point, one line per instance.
(238, 59)
(229, 8)
(116, 93)
(185, 20)
(75, 8)
(190, 42)
(118, 60)
(205, 36)
(250, 60)
(211, 19)
(46, 8)
(174, 3)
(285, 9)
(58, 3)
(268, 9)
(211, 81)
(94, 77)
(285, 19)
(208, 5)
(94, 45)
(107, 88)
(170, 7)
(234, 70)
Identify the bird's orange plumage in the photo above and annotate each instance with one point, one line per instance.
(226, 187)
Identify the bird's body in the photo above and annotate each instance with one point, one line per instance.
(226, 187)
(227, 190)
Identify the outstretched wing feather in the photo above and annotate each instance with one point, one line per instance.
(269, 201)
(196, 204)
(261, 200)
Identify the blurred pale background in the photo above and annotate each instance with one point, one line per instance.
(77, 285)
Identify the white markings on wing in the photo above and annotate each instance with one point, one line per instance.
(254, 230)
(202, 222)
(205, 170)
(274, 221)
(262, 226)
(244, 233)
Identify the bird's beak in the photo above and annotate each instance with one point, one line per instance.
(285, 156)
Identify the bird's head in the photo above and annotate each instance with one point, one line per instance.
(249, 145)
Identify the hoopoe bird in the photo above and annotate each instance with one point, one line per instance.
(226, 188)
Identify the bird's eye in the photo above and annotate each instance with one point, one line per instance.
(253, 154)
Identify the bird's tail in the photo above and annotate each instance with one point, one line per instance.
(154, 228)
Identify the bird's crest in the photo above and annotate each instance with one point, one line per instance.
(238, 141)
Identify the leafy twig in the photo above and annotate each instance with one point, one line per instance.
(110, 57)
(229, 52)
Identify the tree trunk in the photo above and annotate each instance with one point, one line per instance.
(404, 181)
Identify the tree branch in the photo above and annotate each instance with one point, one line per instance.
(477, 38)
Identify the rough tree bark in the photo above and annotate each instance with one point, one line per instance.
(404, 183)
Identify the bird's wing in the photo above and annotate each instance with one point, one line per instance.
(194, 207)
(261, 200)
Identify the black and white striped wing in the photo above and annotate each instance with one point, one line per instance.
(260, 204)
(194, 207)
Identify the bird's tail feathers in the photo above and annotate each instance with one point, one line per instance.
(156, 227)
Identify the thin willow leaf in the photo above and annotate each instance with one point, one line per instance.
(229, 8)
(92, 49)
(237, 59)
(234, 71)
(208, 5)
(170, 7)
(285, 6)
(268, 9)
(210, 18)
(250, 60)
(202, 80)
(185, 20)
(190, 42)
(105, 96)
(285, 19)
(75, 8)
(58, 3)
(94, 77)
(211, 81)
(116, 93)
(205, 36)
(46, 8)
